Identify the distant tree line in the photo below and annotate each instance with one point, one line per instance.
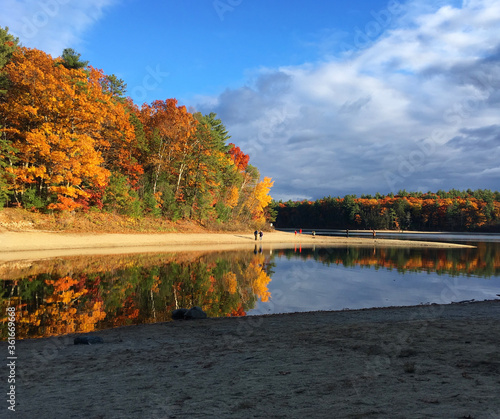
(441, 211)
(70, 140)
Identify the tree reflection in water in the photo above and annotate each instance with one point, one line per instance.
(77, 295)
(482, 261)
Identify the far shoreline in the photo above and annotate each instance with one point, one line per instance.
(33, 244)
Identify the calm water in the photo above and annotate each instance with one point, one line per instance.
(67, 295)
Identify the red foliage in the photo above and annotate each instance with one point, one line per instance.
(240, 159)
(239, 312)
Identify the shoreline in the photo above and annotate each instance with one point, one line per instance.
(37, 245)
(420, 361)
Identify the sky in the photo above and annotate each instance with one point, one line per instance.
(328, 98)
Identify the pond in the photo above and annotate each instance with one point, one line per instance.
(82, 294)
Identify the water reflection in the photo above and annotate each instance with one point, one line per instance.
(70, 295)
(353, 278)
(77, 295)
(482, 261)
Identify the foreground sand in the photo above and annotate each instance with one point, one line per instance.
(36, 244)
(414, 362)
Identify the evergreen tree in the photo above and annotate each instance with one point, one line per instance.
(8, 45)
(115, 86)
(71, 59)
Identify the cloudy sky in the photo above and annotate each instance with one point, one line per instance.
(327, 98)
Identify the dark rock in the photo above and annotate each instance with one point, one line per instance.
(195, 313)
(179, 313)
(88, 340)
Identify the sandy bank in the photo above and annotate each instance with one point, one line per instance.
(17, 245)
(425, 361)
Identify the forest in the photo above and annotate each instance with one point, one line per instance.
(71, 141)
(441, 211)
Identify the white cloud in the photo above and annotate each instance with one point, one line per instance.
(51, 25)
(381, 118)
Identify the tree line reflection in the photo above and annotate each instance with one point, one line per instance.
(482, 261)
(78, 295)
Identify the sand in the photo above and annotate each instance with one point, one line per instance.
(35, 244)
(413, 362)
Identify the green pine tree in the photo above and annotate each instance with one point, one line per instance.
(71, 59)
(8, 44)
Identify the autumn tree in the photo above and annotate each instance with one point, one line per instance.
(254, 196)
(60, 121)
(225, 177)
(240, 159)
(168, 130)
(7, 159)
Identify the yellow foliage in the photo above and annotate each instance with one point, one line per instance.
(232, 199)
(230, 282)
(260, 286)
(257, 278)
(260, 199)
(262, 192)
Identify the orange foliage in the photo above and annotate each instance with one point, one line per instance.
(169, 128)
(259, 199)
(233, 196)
(68, 131)
(62, 311)
(53, 121)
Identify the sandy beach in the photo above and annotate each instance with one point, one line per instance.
(18, 245)
(413, 362)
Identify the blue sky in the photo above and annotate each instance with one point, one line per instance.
(328, 98)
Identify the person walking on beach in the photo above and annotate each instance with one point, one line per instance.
(261, 234)
(255, 234)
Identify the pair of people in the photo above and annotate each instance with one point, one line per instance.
(258, 233)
